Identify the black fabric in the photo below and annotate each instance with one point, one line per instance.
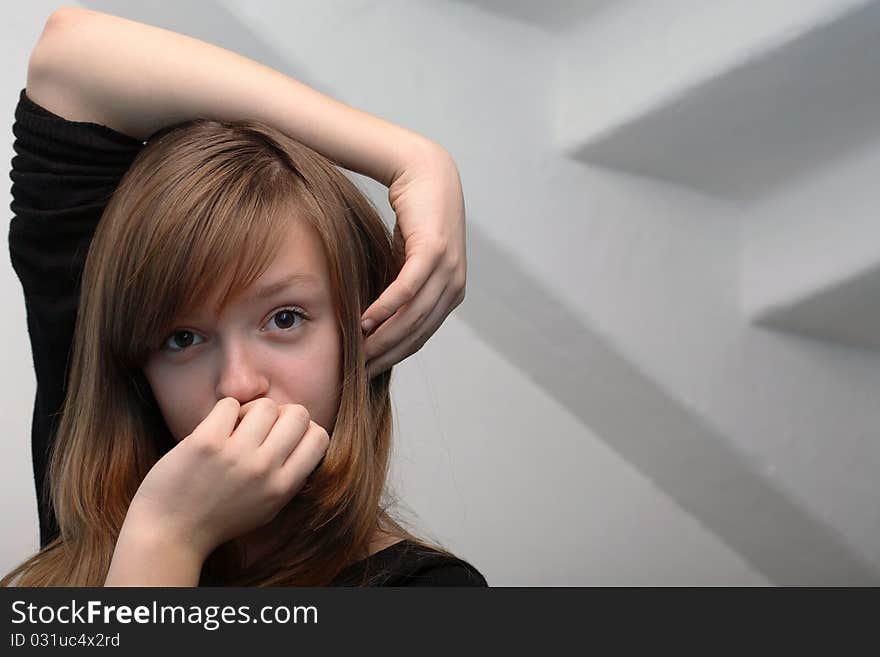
(63, 175)
(409, 564)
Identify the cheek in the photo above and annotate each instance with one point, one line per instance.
(181, 396)
(312, 378)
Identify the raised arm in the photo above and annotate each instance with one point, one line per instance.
(137, 78)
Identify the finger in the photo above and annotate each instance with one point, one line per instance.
(244, 409)
(219, 422)
(407, 320)
(418, 339)
(255, 424)
(305, 457)
(292, 423)
(404, 288)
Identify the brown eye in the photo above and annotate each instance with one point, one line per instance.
(285, 319)
(180, 340)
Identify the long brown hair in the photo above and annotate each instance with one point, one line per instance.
(204, 204)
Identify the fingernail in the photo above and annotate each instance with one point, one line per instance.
(368, 325)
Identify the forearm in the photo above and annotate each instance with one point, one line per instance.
(145, 558)
(142, 78)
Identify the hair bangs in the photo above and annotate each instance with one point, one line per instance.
(205, 254)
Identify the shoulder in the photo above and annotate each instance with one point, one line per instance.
(407, 563)
(411, 564)
(450, 573)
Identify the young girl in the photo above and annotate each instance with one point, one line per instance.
(221, 425)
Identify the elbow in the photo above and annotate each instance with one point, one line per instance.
(45, 51)
(58, 22)
(60, 19)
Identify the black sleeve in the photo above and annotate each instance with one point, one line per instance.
(63, 174)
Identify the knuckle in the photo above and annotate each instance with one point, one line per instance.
(278, 490)
(206, 448)
(247, 471)
(256, 468)
(450, 263)
(227, 458)
(272, 409)
(265, 403)
(301, 411)
(420, 317)
(324, 438)
(441, 247)
(262, 467)
(381, 343)
(406, 289)
(386, 306)
(294, 411)
(226, 401)
(319, 438)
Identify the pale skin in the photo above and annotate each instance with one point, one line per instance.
(259, 362)
(137, 78)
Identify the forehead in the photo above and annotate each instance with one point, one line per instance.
(301, 252)
(299, 265)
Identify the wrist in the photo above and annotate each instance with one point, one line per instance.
(143, 529)
(418, 153)
(145, 557)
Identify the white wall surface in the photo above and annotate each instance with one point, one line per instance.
(20, 30)
(600, 410)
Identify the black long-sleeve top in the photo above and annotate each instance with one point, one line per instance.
(63, 174)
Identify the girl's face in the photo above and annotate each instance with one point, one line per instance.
(277, 339)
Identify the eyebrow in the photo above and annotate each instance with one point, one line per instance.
(271, 289)
(289, 281)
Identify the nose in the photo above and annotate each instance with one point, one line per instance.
(240, 375)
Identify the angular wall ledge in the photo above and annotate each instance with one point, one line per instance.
(846, 311)
(760, 123)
